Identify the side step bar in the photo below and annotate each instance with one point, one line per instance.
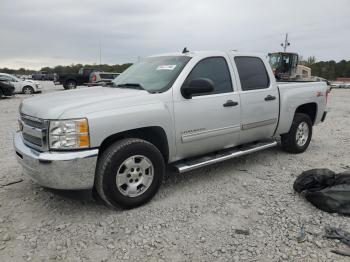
(188, 165)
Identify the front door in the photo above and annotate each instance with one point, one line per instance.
(208, 122)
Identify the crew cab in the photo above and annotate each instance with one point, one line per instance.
(72, 80)
(186, 110)
(21, 86)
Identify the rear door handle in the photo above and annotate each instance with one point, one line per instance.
(230, 103)
(269, 98)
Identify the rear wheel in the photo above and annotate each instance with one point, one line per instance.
(70, 84)
(299, 136)
(129, 173)
(28, 90)
(1, 94)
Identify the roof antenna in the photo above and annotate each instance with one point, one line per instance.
(185, 50)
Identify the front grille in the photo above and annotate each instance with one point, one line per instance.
(32, 139)
(30, 122)
(34, 132)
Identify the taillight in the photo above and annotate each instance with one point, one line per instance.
(94, 78)
(327, 93)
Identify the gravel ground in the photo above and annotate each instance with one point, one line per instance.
(240, 210)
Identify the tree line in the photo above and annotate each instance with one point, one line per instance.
(74, 68)
(326, 69)
(330, 70)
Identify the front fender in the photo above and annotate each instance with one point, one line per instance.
(105, 123)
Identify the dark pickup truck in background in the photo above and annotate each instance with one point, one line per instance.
(71, 80)
(43, 75)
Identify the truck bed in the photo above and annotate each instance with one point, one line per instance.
(293, 94)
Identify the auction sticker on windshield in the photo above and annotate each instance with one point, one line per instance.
(166, 67)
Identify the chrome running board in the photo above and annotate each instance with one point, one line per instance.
(191, 164)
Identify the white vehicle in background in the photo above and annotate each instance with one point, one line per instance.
(21, 86)
(102, 78)
(344, 85)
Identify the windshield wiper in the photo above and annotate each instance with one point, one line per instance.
(132, 85)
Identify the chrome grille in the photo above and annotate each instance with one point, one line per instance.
(30, 122)
(32, 139)
(34, 132)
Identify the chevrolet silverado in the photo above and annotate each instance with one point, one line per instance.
(185, 110)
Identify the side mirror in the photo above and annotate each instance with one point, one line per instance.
(197, 86)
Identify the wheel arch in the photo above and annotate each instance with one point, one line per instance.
(153, 134)
(309, 109)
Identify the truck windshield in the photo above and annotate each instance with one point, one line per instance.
(153, 74)
(274, 60)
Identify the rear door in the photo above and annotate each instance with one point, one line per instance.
(211, 121)
(259, 99)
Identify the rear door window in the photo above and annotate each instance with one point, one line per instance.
(252, 73)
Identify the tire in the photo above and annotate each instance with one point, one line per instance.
(299, 136)
(70, 84)
(28, 90)
(129, 173)
(1, 94)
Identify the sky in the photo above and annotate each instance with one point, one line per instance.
(39, 33)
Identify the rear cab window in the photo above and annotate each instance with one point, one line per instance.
(252, 73)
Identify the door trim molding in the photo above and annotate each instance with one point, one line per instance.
(259, 124)
(209, 133)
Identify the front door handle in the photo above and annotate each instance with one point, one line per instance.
(269, 98)
(230, 103)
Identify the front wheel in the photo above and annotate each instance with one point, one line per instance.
(299, 136)
(129, 173)
(28, 90)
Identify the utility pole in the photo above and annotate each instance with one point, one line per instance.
(285, 44)
(99, 43)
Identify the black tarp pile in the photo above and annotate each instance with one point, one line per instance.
(325, 189)
(340, 234)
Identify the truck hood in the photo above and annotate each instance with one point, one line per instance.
(84, 101)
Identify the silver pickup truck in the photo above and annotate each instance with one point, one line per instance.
(184, 110)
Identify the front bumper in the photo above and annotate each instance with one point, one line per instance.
(58, 170)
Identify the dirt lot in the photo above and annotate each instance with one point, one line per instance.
(194, 217)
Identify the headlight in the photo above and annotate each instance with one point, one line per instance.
(69, 134)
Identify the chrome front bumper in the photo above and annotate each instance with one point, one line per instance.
(59, 170)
